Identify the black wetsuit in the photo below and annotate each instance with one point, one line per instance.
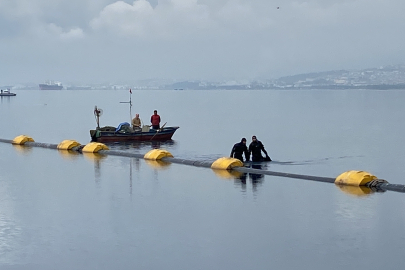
(238, 149)
(256, 148)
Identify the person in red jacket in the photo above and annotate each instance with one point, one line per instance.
(155, 120)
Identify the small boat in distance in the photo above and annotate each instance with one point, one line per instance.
(51, 85)
(7, 93)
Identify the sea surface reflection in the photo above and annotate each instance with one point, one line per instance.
(65, 210)
(143, 146)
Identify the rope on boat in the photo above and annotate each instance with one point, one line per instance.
(350, 178)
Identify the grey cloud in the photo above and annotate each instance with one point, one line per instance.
(207, 39)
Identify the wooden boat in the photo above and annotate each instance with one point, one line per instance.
(125, 133)
(111, 134)
(7, 93)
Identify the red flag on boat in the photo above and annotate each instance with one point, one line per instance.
(130, 90)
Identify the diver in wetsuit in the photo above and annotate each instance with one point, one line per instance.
(255, 148)
(238, 149)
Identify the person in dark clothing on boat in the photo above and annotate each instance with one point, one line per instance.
(255, 149)
(238, 149)
(155, 120)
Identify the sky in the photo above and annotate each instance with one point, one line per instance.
(97, 41)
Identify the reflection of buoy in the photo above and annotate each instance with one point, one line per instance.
(94, 156)
(22, 149)
(359, 191)
(225, 174)
(157, 164)
(69, 154)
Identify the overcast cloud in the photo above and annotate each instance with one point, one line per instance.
(111, 41)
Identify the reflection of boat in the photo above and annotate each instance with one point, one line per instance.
(51, 85)
(125, 133)
(7, 93)
(141, 146)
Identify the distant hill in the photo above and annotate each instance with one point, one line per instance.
(311, 76)
(387, 77)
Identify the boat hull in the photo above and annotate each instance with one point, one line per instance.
(8, 94)
(152, 135)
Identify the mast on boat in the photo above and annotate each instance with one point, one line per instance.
(130, 105)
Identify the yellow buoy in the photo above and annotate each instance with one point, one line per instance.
(22, 139)
(94, 147)
(354, 178)
(157, 154)
(226, 163)
(68, 144)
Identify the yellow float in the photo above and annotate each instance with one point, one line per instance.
(157, 154)
(94, 147)
(68, 144)
(354, 178)
(226, 163)
(22, 139)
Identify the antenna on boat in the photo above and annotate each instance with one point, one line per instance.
(97, 113)
(130, 104)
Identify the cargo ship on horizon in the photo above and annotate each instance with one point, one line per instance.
(51, 85)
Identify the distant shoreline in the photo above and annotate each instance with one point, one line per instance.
(311, 87)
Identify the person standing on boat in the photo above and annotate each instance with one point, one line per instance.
(155, 120)
(255, 149)
(239, 149)
(136, 122)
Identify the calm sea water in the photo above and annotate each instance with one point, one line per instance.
(66, 211)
